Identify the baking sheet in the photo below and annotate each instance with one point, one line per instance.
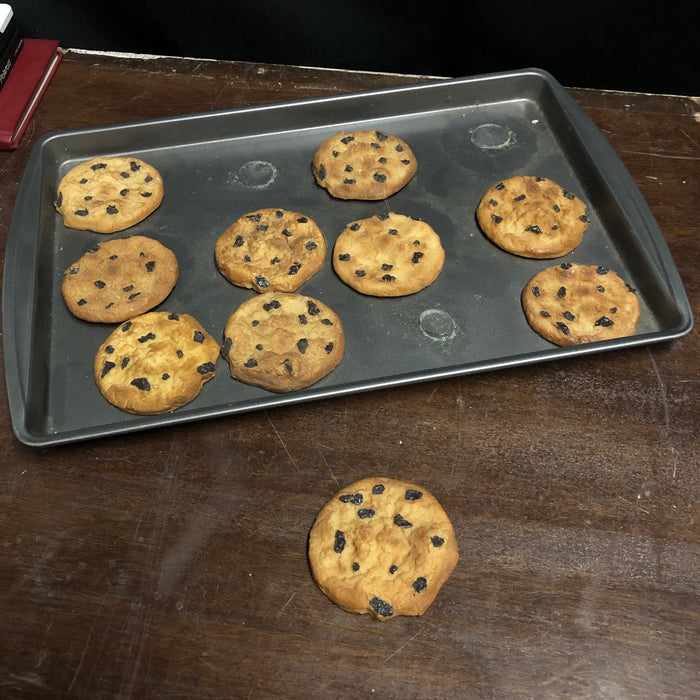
(466, 134)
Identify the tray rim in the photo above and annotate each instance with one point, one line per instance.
(586, 132)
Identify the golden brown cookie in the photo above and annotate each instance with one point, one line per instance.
(282, 341)
(532, 217)
(155, 363)
(363, 164)
(271, 250)
(388, 255)
(382, 546)
(119, 279)
(109, 194)
(570, 304)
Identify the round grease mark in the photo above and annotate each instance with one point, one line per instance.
(491, 136)
(437, 324)
(256, 174)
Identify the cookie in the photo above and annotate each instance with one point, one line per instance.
(569, 304)
(383, 547)
(388, 255)
(363, 164)
(119, 279)
(532, 217)
(282, 341)
(271, 250)
(109, 194)
(155, 363)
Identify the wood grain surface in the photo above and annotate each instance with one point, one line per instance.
(172, 563)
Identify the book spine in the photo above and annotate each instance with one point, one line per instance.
(9, 57)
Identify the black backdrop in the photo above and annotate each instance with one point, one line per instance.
(639, 46)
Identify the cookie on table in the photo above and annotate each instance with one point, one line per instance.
(363, 165)
(282, 341)
(383, 547)
(109, 194)
(155, 363)
(271, 250)
(569, 304)
(532, 217)
(119, 279)
(388, 255)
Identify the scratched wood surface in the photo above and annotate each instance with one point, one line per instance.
(173, 563)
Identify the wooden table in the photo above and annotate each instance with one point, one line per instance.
(172, 563)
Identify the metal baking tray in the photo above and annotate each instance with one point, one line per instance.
(466, 134)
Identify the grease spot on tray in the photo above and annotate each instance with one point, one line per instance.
(437, 324)
(256, 174)
(492, 136)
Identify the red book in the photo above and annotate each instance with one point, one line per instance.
(30, 76)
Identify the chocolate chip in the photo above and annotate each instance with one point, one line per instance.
(302, 344)
(556, 208)
(365, 513)
(500, 186)
(254, 217)
(568, 194)
(198, 337)
(302, 220)
(81, 212)
(360, 273)
(339, 541)
(98, 166)
(109, 349)
(379, 177)
(380, 136)
(561, 292)
(125, 362)
(124, 192)
(583, 218)
(535, 291)
(437, 541)
(600, 288)
(262, 281)
(141, 383)
(312, 308)
(329, 348)
(354, 498)
(173, 317)
(381, 607)
(165, 376)
(106, 367)
(344, 257)
(565, 265)
(605, 322)
(135, 167)
(133, 296)
(126, 326)
(388, 278)
(111, 209)
(147, 337)
(378, 489)
(519, 198)
(250, 363)
(533, 229)
(563, 328)
(238, 242)
(293, 269)
(393, 569)
(568, 316)
(206, 368)
(420, 584)
(348, 168)
(386, 266)
(602, 270)
(413, 495)
(321, 172)
(100, 284)
(150, 265)
(302, 319)
(228, 344)
(349, 181)
(347, 139)
(416, 257)
(354, 227)
(274, 304)
(545, 314)
(128, 288)
(288, 366)
(311, 245)
(59, 201)
(400, 521)
(497, 219)
(355, 566)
